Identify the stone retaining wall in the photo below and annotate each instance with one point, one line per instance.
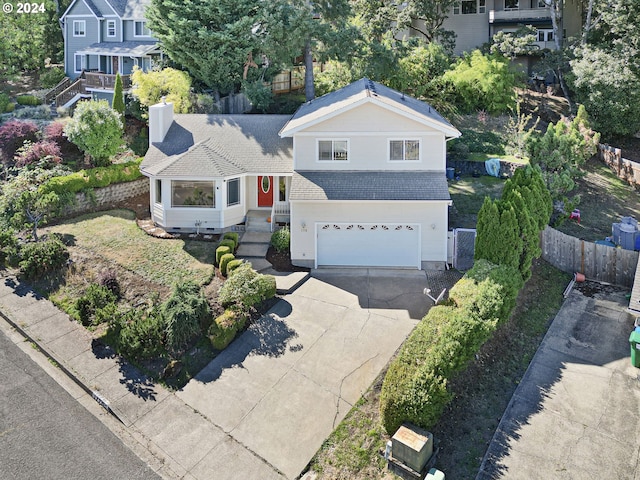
(105, 197)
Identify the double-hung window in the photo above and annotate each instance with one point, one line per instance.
(333, 150)
(404, 150)
(79, 28)
(111, 28)
(233, 192)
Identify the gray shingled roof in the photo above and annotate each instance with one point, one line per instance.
(93, 8)
(237, 143)
(130, 9)
(134, 49)
(333, 102)
(365, 185)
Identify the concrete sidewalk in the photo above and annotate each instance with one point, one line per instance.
(264, 406)
(576, 412)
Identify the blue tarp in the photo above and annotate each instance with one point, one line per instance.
(493, 167)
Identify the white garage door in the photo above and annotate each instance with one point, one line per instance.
(368, 244)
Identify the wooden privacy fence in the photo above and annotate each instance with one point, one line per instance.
(625, 169)
(597, 262)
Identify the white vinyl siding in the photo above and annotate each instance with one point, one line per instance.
(333, 150)
(79, 28)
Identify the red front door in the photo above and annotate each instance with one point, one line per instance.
(265, 191)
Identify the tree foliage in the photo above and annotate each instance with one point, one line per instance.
(96, 129)
(426, 17)
(512, 44)
(174, 85)
(118, 98)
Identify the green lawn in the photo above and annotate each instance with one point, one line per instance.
(114, 236)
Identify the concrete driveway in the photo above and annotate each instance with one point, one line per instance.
(576, 413)
(285, 384)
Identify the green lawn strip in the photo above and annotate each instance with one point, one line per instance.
(468, 193)
(353, 449)
(483, 157)
(115, 236)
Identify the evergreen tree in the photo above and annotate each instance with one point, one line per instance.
(118, 98)
(498, 238)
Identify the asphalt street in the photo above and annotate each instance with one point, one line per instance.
(46, 434)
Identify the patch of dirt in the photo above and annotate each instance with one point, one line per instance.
(281, 262)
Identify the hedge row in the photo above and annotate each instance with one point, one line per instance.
(94, 178)
(415, 386)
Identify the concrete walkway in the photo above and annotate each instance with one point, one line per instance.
(576, 413)
(265, 405)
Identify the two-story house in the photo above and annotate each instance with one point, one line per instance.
(102, 38)
(475, 22)
(359, 173)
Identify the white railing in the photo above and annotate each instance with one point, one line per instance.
(519, 14)
(279, 209)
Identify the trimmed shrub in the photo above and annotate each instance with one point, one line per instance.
(220, 251)
(139, 333)
(94, 178)
(34, 153)
(13, 134)
(95, 297)
(51, 77)
(226, 327)
(246, 287)
(281, 240)
(186, 313)
(233, 264)
(227, 242)
(442, 344)
(30, 100)
(10, 108)
(232, 236)
(224, 262)
(43, 257)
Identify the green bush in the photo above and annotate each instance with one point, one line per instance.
(224, 262)
(246, 287)
(139, 333)
(51, 77)
(225, 328)
(94, 178)
(227, 242)
(281, 239)
(220, 251)
(96, 297)
(232, 236)
(233, 264)
(8, 244)
(186, 313)
(43, 257)
(4, 102)
(30, 100)
(10, 108)
(442, 344)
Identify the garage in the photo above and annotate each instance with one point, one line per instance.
(368, 244)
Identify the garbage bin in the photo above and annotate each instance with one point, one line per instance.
(450, 173)
(634, 342)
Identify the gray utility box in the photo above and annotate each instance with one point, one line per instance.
(412, 446)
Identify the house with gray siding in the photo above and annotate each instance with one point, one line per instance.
(103, 38)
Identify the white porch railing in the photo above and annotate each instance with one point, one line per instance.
(279, 209)
(519, 14)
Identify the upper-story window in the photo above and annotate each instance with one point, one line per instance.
(111, 28)
(545, 35)
(79, 28)
(511, 4)
(333, 150)
(467, 7)
(404, 150)
(140, 29)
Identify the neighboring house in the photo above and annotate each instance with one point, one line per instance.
(359, 173)
(475, 22)
(102, 38)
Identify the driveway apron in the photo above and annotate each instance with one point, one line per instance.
(285, 384)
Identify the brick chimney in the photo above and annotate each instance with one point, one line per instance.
(160, 119)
